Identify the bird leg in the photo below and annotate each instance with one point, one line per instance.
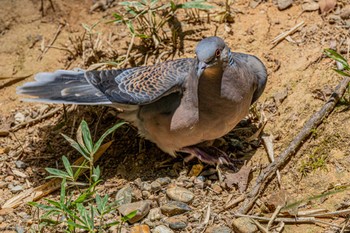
(208, 154)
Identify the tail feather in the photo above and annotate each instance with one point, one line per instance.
(69, 87)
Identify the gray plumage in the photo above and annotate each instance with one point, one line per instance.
(175, 104)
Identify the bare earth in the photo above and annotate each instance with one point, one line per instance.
(300, 81)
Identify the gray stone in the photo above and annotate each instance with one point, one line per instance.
(20, 164)
(146, 186)
(19, 229)
(162, 229)
(310, 6)
(219, 229)
(180, 194)
(155, 186)
(155, 214)
(244, 225)
(142, 208)
(174, 207)
(15, 188)
(124, 195)
(177, 222)
(19, 118)
(284, 4)
(164, 180)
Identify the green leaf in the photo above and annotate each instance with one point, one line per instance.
(101, 204)
(342, 72)
(63, 192)
(67, 166)
(42, 206)
(96, 173)
(197, 4)
(109, 131)
(130, 26)
(111, 224)
(54, 203)
(71, 223)
(336, 56)
(57, 173)
(129, 216)
(86, 136)
(76, 146)
(117, 16)
(81, 198)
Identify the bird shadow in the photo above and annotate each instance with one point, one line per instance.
(129, 157)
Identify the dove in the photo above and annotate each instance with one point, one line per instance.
(180, 105)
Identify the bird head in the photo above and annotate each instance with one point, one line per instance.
(211, 52)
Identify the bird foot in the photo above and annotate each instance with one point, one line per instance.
(209, 155)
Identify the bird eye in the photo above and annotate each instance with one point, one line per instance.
(217, 52)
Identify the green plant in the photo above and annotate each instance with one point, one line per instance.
(87, 209)
(343, 69)
(151, 21)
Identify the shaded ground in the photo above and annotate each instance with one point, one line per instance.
(300, 80)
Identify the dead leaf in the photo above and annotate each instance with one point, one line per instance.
(327, 5)
(196, 170)
(240, 178)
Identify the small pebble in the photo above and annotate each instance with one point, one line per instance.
(209, 172)
(19, 229)
(20, 164)
(146, 186)
(146, 194)
(3, 185)
(15, 188)
(9, 178)
(174, 207)
(155, 186)
(244, 225)
(177, 222)
(180, 194)
(124, 195)
(310, 6)
(345, 12)
(199, 182)
(216, 188)
(138, 182)
(140, 229)
(219, 229)
(162, 229)
(19, 118)
(142, 207)
(164, 180)
(284, 4)
(155, 214)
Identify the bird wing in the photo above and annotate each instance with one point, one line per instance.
(141, 85)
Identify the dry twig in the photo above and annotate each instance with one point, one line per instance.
(283, 35)
(31, 122)
(58, 31)
(290, 220)
(268, 144)
(316, 119)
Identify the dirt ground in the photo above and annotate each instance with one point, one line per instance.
(300, 81)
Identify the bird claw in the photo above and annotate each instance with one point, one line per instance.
(210, 155)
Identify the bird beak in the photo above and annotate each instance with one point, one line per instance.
(201, 67)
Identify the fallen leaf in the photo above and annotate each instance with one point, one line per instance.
(240, 178)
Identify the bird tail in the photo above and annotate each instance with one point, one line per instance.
(62, 86)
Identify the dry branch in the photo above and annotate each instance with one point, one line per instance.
(268, 173)
(59, 29)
